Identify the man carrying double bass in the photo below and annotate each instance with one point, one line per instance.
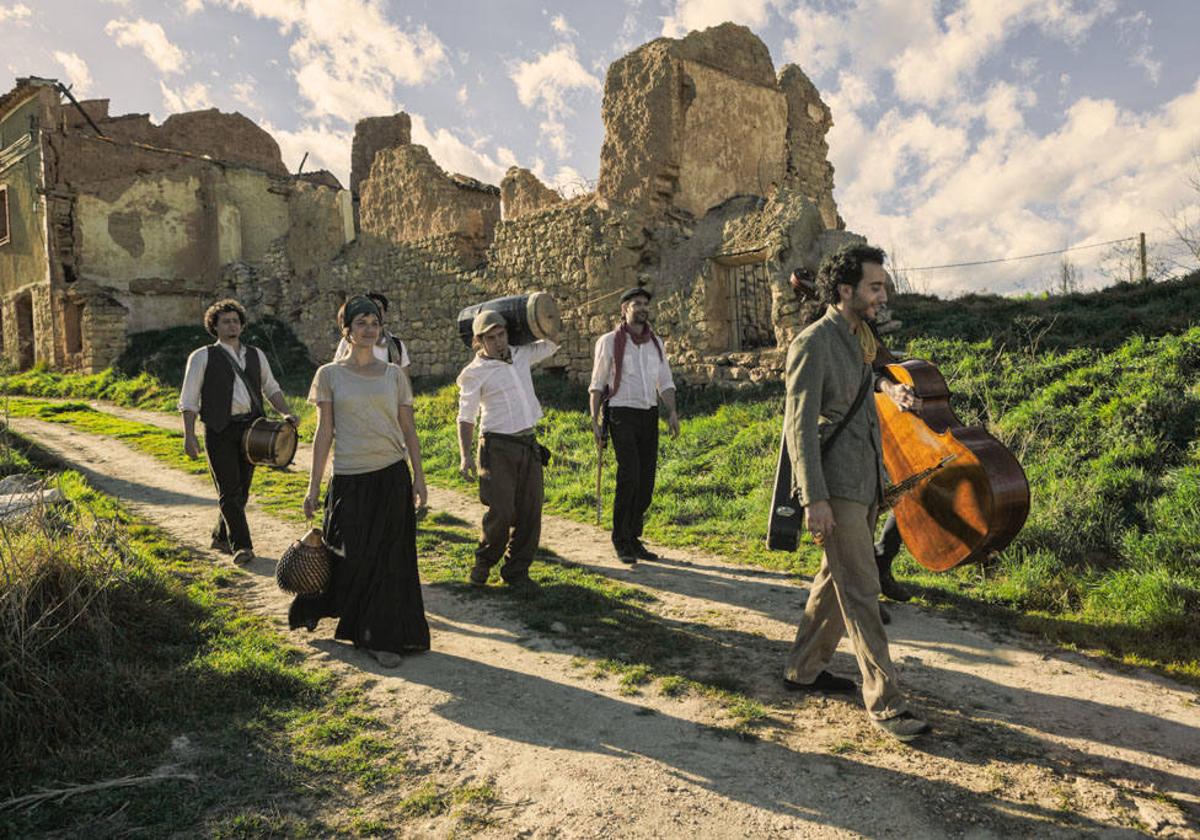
(224, 384)
(829, 385)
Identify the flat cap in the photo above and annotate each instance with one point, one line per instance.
(485, 320)
(636, 291)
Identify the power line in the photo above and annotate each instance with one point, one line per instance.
(1013, 259)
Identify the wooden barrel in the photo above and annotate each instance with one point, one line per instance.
(529, 317)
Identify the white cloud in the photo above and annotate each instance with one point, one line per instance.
(191, 98)
(17, 13)
(545, 83)
(190, 7)
(701, 14)
(559, 24)
(931, 56)
(454, 155)
(1133, 35)
(1104, 173)
(150, 38)
(823, 41)
(243, 93)
(77, 72)
(347, 56)
(935, 69)
(461, 96)
(327, 148)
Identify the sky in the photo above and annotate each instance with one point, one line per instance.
(964, 130)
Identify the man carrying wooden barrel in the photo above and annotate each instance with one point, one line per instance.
(629, 375)
(497, 386)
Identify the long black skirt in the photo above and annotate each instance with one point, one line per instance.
(374, 591)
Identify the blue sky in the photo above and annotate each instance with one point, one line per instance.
(964, 129)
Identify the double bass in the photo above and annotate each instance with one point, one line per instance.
(966, 496)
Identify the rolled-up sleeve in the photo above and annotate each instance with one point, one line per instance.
(468, 396)
(193, 379)
(269, 386)
(665, 382)
(602, 364)
(541, 349)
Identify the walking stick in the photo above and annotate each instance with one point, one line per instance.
(600, 454)
(599, 473)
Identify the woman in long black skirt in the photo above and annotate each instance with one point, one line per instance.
(364, 413)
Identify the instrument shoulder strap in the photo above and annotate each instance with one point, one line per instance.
(854, 406)
(256, 403)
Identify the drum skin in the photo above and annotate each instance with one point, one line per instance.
(270, 443)
(529, 317)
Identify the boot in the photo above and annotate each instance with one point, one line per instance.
(890, 587)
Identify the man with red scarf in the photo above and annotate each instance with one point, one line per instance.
(629, 375)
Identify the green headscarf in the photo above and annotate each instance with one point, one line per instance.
(359, 305)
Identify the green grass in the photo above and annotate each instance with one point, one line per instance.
(144, 657)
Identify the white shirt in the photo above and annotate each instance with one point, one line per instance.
(503, 392)
(193, 379)
(643, 374)
(380, 350)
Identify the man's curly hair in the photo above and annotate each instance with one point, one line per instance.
(214, 312)
(845, 266)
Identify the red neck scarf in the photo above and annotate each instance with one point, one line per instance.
(622, 334)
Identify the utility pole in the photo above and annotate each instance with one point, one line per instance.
(1142, 254)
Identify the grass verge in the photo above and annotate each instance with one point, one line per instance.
(125, 655)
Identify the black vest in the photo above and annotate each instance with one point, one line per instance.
(216, 391)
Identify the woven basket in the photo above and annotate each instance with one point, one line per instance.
(305, 565)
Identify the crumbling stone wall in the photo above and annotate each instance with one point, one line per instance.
(809, 120)
(371, 136)
(409, 197)
(692, 122)
(521, 192)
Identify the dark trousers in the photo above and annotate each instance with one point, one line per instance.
(634, 434)
(510, 485)
(232, 474)
(889, 542)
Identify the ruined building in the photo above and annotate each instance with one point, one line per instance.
(714, 184)
(112, 225)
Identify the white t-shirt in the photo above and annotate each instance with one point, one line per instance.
(502, 392)
(380, 349)
(366, 426)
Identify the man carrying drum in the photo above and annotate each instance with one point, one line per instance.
(629, 375)
(225, 383)
(497, 386)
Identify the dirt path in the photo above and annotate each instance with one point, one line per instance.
(1028, 740)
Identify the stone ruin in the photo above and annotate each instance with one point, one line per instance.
(714, 184)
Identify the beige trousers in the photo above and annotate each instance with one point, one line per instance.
(845, 599)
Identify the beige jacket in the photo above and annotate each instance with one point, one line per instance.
(825, 368)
